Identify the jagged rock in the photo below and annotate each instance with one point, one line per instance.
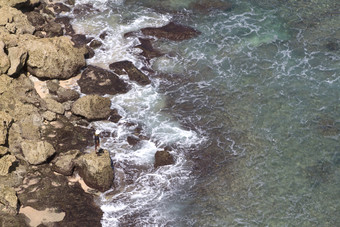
(17, 57)
(14, 21)
(5, 123)
(3, 150)
(147, 48)
(54, 106)
(49, 116)
(6, 162)
(4, 60)
(92, 107)
(64, 95)
(54, 58)
(96, 170)
(36, 152)
(8, 200)
(171, 31)
(163, 158)
(127, 67)
(64, 163)
(95, 80)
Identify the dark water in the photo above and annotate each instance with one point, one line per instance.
(252, 106)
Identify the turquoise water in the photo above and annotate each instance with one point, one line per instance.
(261, 86)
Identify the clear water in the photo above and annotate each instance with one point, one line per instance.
(250, 107)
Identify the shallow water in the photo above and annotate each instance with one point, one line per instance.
(250, 109)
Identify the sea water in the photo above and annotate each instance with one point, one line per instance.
(250, 109)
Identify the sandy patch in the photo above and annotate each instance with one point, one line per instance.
(37, 217)
(40, 87)
(70, 83)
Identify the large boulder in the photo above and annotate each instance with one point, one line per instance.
(5, 163)
(171, 31)
(17, 57)
(37, 152)
(96, 170)
(14, 21)
(54, 58)
(8, 200)
(127, 67)
(163, 158)
(92, 107)
(5, 122)
(64, 163)
(4, 60)
(95, 80)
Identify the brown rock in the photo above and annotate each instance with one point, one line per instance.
(5, 123)
(95, 44)
(4, 60)
(6, 162)
(37, 152)
(127, 67)
(95, 80)
(96, 170)
(148, 51)
(54, 106)
(64, 163)
(163, 158)
(17, 57)
(92, 107)
(66, 21)
(65, 95)
(132, 140)
(14, 21)
(172, 31)
(60, 7)
(8, 200)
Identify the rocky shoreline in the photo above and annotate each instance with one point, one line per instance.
(44, 125)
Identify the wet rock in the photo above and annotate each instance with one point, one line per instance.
(206, 6)
(95, 44)
(8, 200)
(132, 140)
(163, 158)
(54, 58)
(60, 7)
(17, 57)
(80, 40)
(95, 80)
(4, 60)
(5, 123)
(96, 170)
(66, 21)
(103, 35)
(64, 163)
(54, 106)
(92, 107)
(114, 116)
(71, 2)
(89, 52)
(36, 152)
(127, 67)
(84, 9)
(14, 21)
(5, 163)
(171, 31)
(148, 51)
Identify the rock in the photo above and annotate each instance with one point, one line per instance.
(37, 152)
(172, 31)
(65, 95)
(4, 60)
(95, 80)
(6, 162)
(59, 8)
(54, 58)
(127, 67)
(95, 44)
(66, 21)
(84, 9)
(49, 116)
(163, 158)
(54, 106)
(14, 21)
(89, 52)
(103, 35)
(5, 82)
(80, 40)
(114, 116)
(36, 18)
(5, 123)
(8, 200)
(18, 3)
(17, 57)
(92, 107)
(51, 29)
(132, 140)
(64, 163)
(148, 51)
(3, 150)
(96, 170)
(53, 86)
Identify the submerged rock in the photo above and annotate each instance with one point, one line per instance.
(37, 152)
(147, 48)
(92, 107)
(172, 31)
(127, 67)
(96, 170)
(54, 58)
(95, 80)
(163, 158)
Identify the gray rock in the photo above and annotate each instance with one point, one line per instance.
(37, 152)
(92, 107)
